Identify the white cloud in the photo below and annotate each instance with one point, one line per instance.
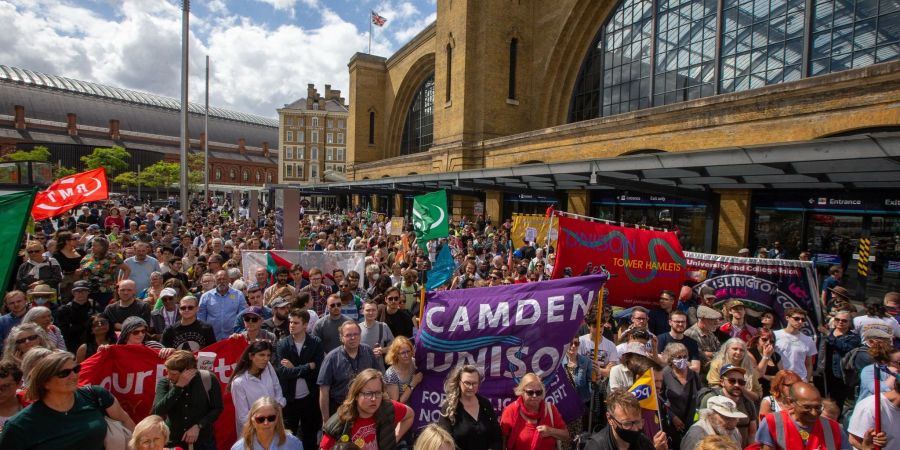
(254, 67)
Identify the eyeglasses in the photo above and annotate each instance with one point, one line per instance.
(576, 343)
(470, 384)
(66, 372)
(534, 392)
(137, 332)
(263, 419)
(630, 425)
(251, 319)
(25, 339)
(739, 381)
(187, 307)
(370, 395)
(814, 408)
(100, 323)
(841, 320)
(798, 318)
(392, 298)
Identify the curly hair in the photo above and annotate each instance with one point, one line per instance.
(453, 391)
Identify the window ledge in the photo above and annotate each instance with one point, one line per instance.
(512, 101)
(448, 103)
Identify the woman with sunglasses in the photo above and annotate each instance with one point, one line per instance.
(467, 415)
(43, 317)
(363, 419)
(253, 377)
(38, 267)
(530, 422)
(768, 362)
(63, 416)
(23, 338)
(99, 333)
(264, 428)
(68, 256)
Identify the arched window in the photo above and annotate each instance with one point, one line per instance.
(258, 176)
(417, 131)
(268, 177)
(218, 174)
(246, 175)
(371, 127)
(513, 57)
(231, 174)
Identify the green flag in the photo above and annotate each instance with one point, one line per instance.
(430, 218)
(15, 210)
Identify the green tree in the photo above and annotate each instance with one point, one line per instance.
(195, 171)
(162, 174)
(63, 171)
(112, 158)
(128, 179)
(38, 153)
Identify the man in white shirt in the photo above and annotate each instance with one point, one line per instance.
(607, 355)
(862, 423)
(796, 349)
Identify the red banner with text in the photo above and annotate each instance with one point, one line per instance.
(641, 262)
(69, 192)
(130, 372)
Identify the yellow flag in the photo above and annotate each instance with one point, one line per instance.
(644, 389)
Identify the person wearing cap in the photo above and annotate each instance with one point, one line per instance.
(876, 317)
(803, 426)
(762, 252)
(736, 326)
(703, 331)
(254, 298)
(744, 252)
(720, 418)
(278, 323)
(861, 429)
(706, 297)
(252, 317)
(678, 321)
(281, 288)
(797, 350)
(166, 317)
(189, 333)
(72, 318)
(835, 273)
(634, 361)
(734, 381)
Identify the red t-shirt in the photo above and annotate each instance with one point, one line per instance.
(521, 432)
(364, 433)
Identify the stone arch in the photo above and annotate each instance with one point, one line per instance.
(417, 74)
(581, 26)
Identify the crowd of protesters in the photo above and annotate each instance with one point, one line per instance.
(329, 362)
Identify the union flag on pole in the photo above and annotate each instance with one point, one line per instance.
(378, 20)
(69, 192)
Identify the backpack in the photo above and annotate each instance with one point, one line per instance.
(206, 378)
(850, 374)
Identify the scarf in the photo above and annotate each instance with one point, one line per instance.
(541, 417)
(35, 271)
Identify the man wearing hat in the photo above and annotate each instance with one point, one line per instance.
(72, 317)
(706, 297)
(703, 332)
(720, 418)
(278, 323)
(737, 326)
(733, 383)
(252, 317)
(166, 317)
(835, 273)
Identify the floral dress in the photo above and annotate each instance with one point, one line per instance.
(102, 273)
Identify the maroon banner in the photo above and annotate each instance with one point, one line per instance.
(130, 372)
(641, 262)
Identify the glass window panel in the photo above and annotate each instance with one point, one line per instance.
(887, 52)
(418, 129)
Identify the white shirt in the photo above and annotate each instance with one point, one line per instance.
(887, 324)
(247, 388)
(794, 349)
(586, 348)
(863, 419)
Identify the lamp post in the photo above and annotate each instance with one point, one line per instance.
(185, 142)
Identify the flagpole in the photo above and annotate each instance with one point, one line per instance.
(595, 376)
(658, 412)
(370, 32)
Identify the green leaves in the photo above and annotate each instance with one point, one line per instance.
(112, 158)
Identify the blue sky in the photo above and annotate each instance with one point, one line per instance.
(263, 52)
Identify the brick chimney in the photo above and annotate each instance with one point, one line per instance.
(71, 124)
(20, 117)
(114, 129)
(242, 146)
(265, 149)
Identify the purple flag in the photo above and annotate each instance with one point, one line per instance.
(505, 331)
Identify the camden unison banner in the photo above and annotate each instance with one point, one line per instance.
(761, 284)
(130, 372)
(641, 262)
(505, 331)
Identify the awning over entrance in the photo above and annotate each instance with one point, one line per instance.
(864, 161)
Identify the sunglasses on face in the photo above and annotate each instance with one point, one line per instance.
(263, 419)
(100, 323)
(392, 299)
(739, 381)
(334, 305)
(137, 332)
(251, 319)
(66, 372)
(798, 318)
(25, 339)
(187, 308)
(534, 392)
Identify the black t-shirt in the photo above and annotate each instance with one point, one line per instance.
(117, 313)
(400, 323)
(692, 347)
(191, 337)
(38, 427)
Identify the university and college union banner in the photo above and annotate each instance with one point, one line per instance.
(130, 372)
(505, 331)
(761, 284)
(641, 262)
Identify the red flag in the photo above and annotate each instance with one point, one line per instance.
(378, 20)
(69, 192)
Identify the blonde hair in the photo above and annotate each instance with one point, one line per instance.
(529, 378)
(31, 358)
(11, 353)
(44, 371)
(249, 433)
(716, 442)
(398, 343)
(348, 412)
(434, 437)
(451, 388)
(147, 425)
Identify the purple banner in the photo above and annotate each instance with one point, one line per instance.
(505, 331)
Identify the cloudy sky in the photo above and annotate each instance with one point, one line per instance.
(263, 52)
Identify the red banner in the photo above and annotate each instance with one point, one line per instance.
(130, 373)
(69, 192)
(641, 262)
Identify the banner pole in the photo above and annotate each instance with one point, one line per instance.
(595, 376)
(658, 412)
(877, 372)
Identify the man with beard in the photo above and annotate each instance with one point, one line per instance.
(221, 305)
(719, 418)
(278, 323)
(733, 383)
(281, 288)
(678, 321)
(625, 426)
(803, 426)
(189, 333)
(704, 333)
